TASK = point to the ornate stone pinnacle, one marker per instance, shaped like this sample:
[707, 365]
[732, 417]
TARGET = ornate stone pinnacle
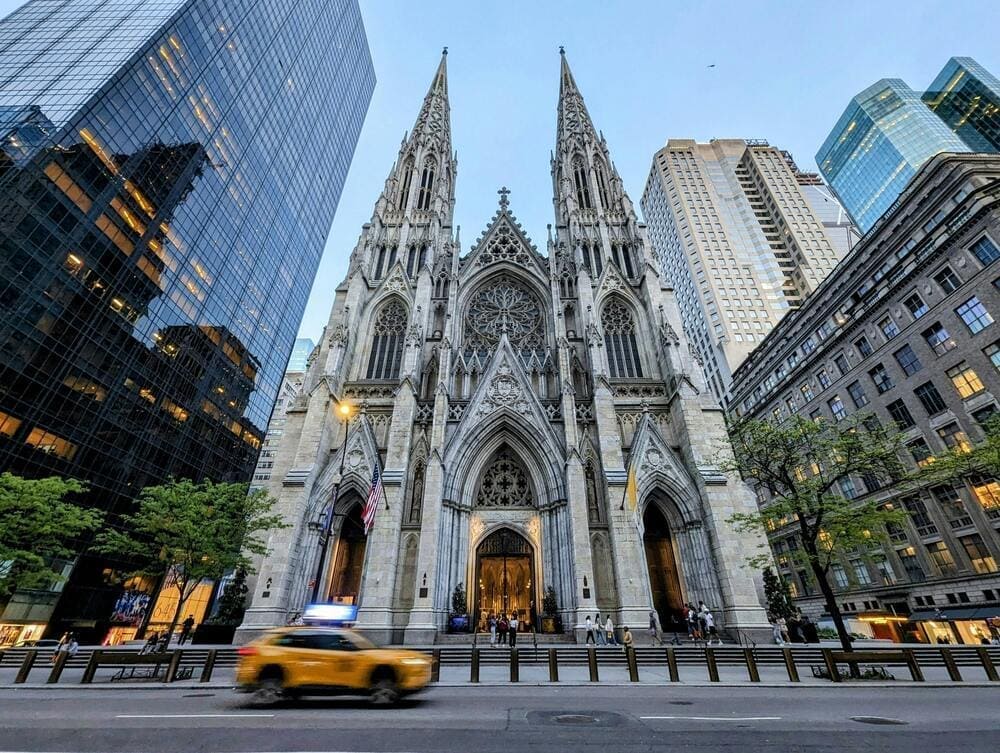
[504, 193]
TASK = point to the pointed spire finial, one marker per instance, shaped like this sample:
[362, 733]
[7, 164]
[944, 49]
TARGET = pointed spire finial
[504, 193]
[562, 50]
[444, 51]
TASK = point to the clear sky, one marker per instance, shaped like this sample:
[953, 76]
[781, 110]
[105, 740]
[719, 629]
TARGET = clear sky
[783, 71]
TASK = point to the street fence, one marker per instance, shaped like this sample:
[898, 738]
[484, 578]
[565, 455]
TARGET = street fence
[472, 664]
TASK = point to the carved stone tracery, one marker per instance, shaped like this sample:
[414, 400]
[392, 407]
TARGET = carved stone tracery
[505, 483]
[504, 307]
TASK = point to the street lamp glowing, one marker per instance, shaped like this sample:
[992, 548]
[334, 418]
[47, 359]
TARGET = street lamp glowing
[345, 410]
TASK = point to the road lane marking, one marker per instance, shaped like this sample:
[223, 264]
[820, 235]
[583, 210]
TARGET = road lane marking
[719, 718]
[192, 716]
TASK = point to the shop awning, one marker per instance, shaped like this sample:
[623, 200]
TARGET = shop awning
[948, 614]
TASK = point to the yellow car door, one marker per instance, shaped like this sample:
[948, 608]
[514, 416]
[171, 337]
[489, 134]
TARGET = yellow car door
[301, 658]
[339, 661]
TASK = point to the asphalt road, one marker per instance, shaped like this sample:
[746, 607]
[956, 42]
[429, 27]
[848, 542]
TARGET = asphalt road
[509, 719]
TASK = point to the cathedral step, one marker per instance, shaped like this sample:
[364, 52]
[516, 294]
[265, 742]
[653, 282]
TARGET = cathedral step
[483, 639]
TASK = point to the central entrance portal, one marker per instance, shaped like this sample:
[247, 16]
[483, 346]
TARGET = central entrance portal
[504, 577]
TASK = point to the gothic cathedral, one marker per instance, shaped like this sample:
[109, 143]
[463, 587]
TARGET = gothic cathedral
[506, 395]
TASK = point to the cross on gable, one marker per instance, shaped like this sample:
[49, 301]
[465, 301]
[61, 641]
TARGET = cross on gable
[504, 193]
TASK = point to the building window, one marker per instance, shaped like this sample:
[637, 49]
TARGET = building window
[857, 393]
[938, 339]
[917, 510]
[907, 360]
[915, 305]
[900, 414]
[885, 572]
[947, 279]
[806, 390]
[837, 408]
[985, 251]
[841, 361]
[619, 341]
[993, 353]
[864, 346]
[950, 502]
[881, 378]
[387, 342]
[921, 452]
[888, 327]
[984, 414]
[861, 573]
[426, 186]
[954, 438]
[823, 378]
[404, 191]
[911, 565]
[975, 315]
[941, 557]
[847, 487]
[987, 493]
[839, 576]
[965, 379]
[581, 183]
[930, 398]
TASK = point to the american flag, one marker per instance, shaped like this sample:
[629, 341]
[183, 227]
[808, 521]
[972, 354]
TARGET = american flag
[375, 495]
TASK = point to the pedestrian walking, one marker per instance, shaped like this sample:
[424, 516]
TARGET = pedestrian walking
[502, 627]
[491, 620]
[711, 633]
[599, 630]
[692, 624]
[513, 629]
[186, 627]
[783, 626]
[609, 628]
[654, 628]
[627, 640]
[776, 631]
[589, 626]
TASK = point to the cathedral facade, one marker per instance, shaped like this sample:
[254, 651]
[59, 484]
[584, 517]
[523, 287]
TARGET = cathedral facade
[505, 394]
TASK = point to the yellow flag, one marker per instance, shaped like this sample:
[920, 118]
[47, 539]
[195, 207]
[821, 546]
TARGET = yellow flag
[632, 489]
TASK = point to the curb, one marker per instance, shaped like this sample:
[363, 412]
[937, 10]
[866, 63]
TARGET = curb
[528, 684]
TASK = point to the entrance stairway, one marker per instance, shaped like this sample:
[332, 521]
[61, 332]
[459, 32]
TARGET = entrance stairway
[523, 639]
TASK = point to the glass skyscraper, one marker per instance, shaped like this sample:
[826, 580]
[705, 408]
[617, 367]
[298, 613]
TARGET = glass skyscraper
[300, 354]
[966, 97]
[169, 170]
[884, 136]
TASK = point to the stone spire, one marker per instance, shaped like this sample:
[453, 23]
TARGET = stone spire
[574, 128]
[433, 125]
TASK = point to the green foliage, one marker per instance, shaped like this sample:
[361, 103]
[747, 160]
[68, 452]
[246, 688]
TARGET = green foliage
[550, 605]
[982, 459]
[799, 463]
[458, 602]
[232, 604]
[779, 600]
[195, 531]
[37, 526]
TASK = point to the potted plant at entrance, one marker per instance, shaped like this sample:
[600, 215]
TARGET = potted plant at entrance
[459, 622]
[550, 610]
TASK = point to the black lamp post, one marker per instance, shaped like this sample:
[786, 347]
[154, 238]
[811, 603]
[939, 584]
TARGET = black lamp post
[326, 525]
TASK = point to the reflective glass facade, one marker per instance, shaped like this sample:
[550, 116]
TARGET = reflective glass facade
[884, 136]
[966, 97]
[168, 175]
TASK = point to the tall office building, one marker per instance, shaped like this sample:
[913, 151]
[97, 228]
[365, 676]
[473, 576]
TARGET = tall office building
[884, 136]
[168, 175]
[300, 354]
[966, 97]
[733, 227]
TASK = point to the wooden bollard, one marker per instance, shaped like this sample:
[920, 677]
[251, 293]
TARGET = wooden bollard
[592, 664]
[950, 665]
[793, 671]
[751, 661]
[553, 665]
[515, 666]
[675, 676]
[633, 666]
[57, 668]
[831, 665]
[911, 662]
[987, 662]
[210, 659]
[26, 665]
[474, 667]
[436, 665]
[713, 665]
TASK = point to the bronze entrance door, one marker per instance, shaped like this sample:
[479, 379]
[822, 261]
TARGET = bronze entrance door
[664, 579]
[504, 577]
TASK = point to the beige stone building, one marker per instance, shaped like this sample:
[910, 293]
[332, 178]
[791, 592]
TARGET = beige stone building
[738, 229]
[505, 392]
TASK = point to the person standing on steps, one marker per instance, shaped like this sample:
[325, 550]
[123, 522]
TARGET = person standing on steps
[627, 640]
[712, 634]
[502, 627]
[589, 625]
[599, 630]
[654, 628]
[491, 622]
[513, 629]
[609, 628]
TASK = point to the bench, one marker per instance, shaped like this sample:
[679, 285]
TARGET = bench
[129, 663]
[874, 660]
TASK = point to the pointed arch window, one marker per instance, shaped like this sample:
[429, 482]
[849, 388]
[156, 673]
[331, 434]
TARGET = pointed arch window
[581, 183]
[411, 260]
[620, 341]
[404, 190]
[379, 263]
[504, 483]
[387, 342]
[602, 185]
[426, 186]
[593, 260]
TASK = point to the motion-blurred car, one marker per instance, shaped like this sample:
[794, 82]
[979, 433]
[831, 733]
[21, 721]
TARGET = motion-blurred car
[296, 661]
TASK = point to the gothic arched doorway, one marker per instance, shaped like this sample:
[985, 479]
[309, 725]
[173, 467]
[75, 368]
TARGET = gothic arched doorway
[348, 559]
[505, 576]
[664, 578]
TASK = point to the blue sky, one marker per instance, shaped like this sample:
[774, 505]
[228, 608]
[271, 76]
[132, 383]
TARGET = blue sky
[784, 72]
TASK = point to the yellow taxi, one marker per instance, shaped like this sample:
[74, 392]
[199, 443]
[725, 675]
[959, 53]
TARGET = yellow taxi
[295, 661]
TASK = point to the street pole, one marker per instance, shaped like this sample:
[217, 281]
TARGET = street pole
[324, 536]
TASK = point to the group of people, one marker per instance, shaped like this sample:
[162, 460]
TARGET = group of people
[601, 633]
[158, 642]
[68, 644]
[797, 629]
[503, 629]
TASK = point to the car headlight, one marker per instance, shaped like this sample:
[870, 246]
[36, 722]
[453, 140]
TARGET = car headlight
[415, 661]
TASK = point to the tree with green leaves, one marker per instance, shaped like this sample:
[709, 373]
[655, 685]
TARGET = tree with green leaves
[183, 533]
[232, 603]
[779, 600]
[800, 464]
[966, 459]
[37, 528]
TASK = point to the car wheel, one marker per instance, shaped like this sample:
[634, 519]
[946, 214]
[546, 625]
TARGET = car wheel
[384, 692]
[268, 692]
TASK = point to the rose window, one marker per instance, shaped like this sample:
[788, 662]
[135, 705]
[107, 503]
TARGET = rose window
[504, 484]
[504, 308]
